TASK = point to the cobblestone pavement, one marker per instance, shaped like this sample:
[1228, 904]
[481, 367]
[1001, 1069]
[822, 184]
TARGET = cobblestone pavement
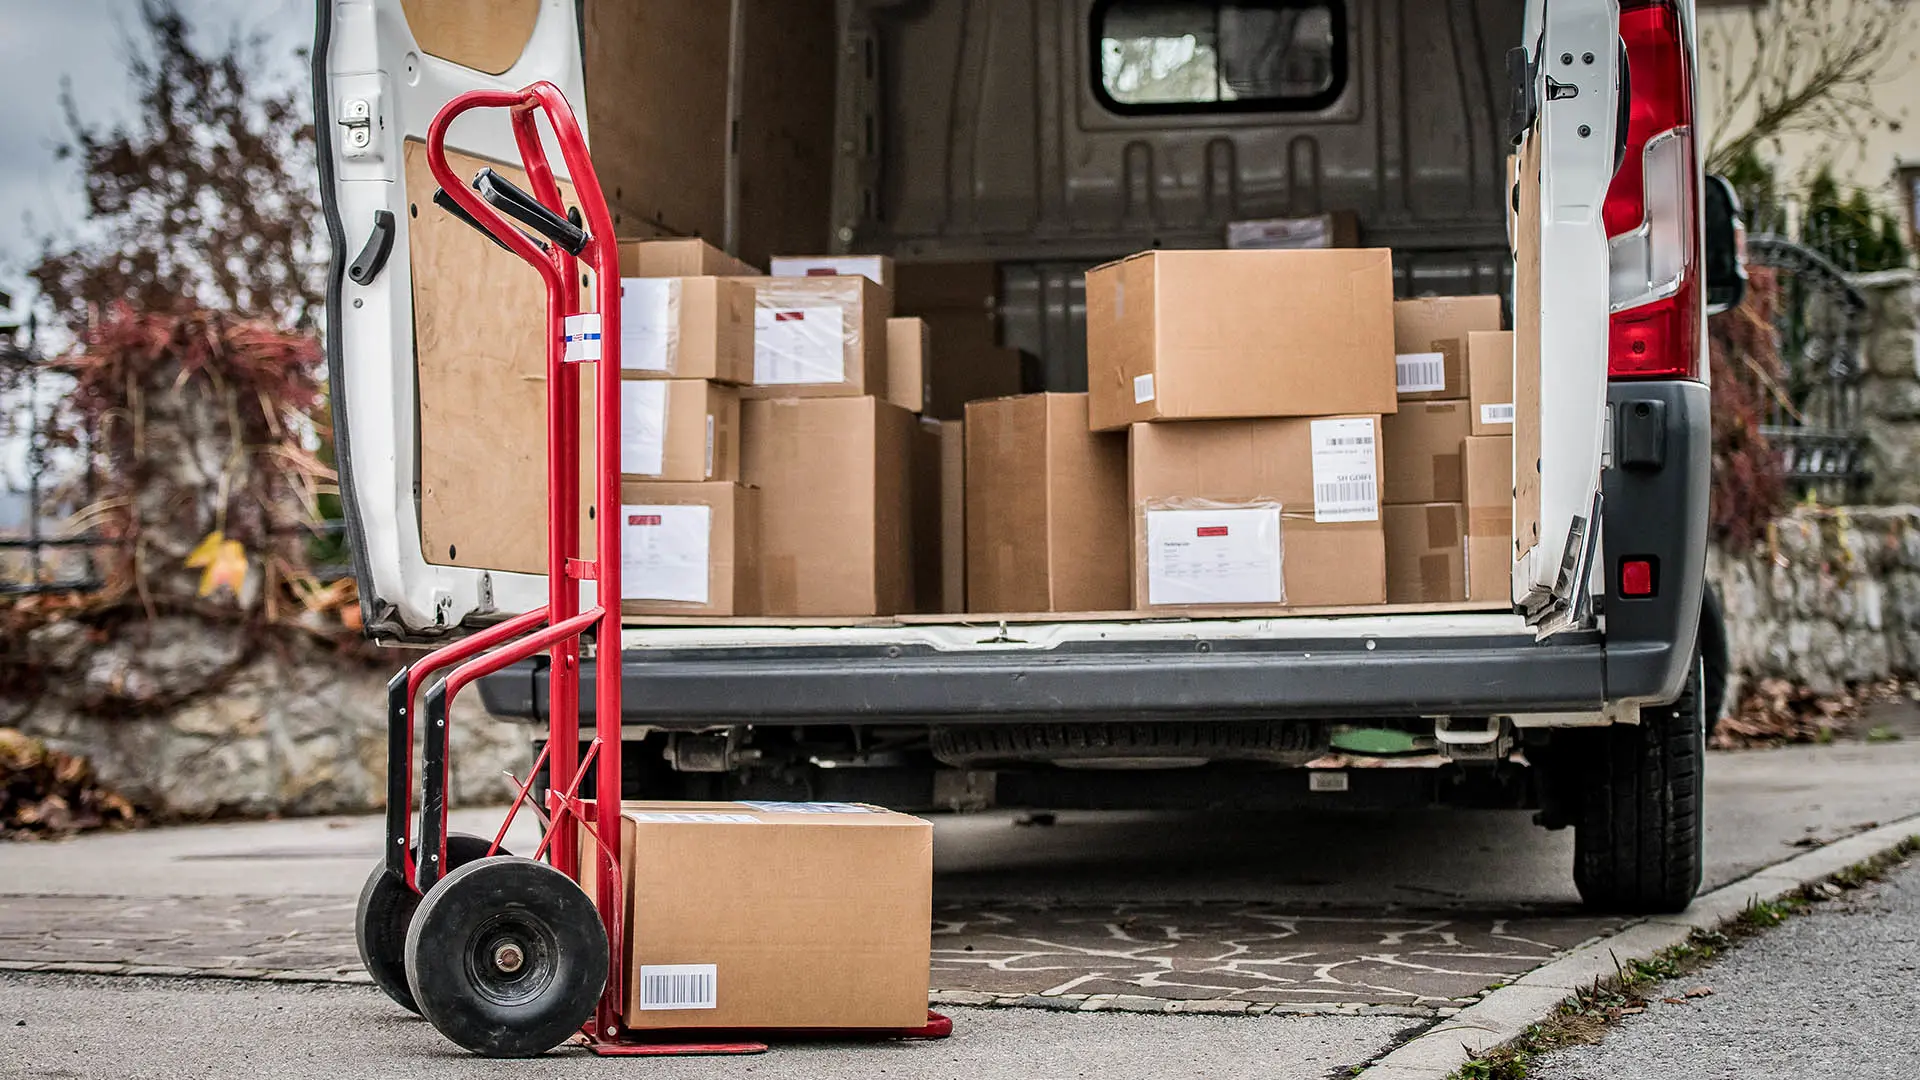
[1238, 955]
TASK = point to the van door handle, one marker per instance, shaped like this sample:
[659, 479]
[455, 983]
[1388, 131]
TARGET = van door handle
[366, 265]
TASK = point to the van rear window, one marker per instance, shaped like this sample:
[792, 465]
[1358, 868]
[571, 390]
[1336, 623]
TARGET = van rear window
[1170, 56]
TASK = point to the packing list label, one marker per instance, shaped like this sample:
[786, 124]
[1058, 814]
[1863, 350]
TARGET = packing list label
[664, 552]
[799, 345]
[649, 326]
[1420, 372]
[1225, 556]
[1345, 484]
[643, 428]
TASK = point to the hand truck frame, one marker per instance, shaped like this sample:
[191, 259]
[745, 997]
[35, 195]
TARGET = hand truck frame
[509, 957]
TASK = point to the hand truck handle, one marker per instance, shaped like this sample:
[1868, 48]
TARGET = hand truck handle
[515, 203]
[446, 202]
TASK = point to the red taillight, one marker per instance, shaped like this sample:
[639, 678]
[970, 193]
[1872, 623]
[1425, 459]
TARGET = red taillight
[1636, 577]
[1651, 206]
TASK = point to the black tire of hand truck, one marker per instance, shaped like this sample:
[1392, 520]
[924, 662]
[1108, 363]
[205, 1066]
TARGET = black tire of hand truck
[499, 1004]
[1638, 841]
[385, 910]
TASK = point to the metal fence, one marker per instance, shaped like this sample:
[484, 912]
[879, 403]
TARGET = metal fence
[1814, 417]
[42, 483]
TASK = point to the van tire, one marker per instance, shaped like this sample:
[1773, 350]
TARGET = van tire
[1638, 844]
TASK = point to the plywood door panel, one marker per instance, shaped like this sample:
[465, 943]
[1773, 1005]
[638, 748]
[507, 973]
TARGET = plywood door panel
[486, 35]
[479, 324]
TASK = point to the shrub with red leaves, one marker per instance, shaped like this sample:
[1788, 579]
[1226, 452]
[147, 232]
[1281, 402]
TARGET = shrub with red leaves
[1749, 487]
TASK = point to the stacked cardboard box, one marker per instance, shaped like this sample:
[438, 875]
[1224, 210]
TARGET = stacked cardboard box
[688, 527]
[1252, 384]
[1447, 365]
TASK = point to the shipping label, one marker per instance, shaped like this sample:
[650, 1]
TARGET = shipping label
[679, 986]
[1225, 556]
[649, 324]
[1345, 471]
[799, 345]
[1142, 388]
[1420, 372]
[690, 817]
[808, 807]
[643, 427]
[582, 334]
[665, 552]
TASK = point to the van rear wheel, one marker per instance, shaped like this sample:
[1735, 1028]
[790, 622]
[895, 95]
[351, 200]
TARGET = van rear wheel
[1638, 841]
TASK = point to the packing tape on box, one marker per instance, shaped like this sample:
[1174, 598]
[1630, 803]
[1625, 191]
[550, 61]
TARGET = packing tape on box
[779, 583]
[1202, 551]
[1489, 520]
[649, 324]
[802, 334]
[1435, 570]
[1441, 523]
[1447, 484]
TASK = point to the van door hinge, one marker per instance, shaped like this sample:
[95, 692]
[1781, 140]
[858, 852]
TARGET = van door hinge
[1521, 106]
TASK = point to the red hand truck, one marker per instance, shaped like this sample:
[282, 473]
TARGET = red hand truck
[506, 956]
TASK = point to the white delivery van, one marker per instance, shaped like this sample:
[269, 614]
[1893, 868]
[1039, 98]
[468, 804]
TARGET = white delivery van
[1544, 150]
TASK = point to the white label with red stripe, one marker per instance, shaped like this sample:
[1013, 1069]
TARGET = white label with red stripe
[1224, 556]
[794, 345]
[665, 552]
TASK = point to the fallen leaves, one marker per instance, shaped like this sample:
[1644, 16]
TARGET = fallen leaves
[46, 792]
[1776, 711]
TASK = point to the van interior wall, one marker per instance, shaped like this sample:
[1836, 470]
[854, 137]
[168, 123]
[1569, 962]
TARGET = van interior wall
[713, 122]
[990, 142]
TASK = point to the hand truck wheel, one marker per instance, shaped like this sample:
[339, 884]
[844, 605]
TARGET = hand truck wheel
[386, 908]
[506, 957]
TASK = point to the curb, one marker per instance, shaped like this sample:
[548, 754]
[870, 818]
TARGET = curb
[1504, 1014]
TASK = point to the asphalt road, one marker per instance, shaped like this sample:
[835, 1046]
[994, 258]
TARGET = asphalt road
[1410, 892]
[1829, 995]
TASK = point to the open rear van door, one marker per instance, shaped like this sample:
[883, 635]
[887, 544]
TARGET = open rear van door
[1567, 115]
[426, 319]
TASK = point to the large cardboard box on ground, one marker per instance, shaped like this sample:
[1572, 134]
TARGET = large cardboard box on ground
[1430, 343]
[1426, 553]
[687, 549]
[1421, 444]
[1046, 508]
[819, 337]
[1256, 512]
[1490, 382]
[836, 515]
[684, 430]
[688, 257]
[1187, 335]
[687, 328]
[758, 915]
[1487, 477]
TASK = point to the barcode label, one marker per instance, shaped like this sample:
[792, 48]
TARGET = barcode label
[1345, 470]
[1497, 414]
[1142, 389]
[808, 807]
[679, 986]
[1420, 373]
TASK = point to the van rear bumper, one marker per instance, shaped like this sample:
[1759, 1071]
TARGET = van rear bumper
[1184, 680]
[1655, 508]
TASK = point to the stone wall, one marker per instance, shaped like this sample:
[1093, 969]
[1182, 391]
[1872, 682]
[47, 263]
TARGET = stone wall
[1831, 597]
[192, 719]
[1890, 386]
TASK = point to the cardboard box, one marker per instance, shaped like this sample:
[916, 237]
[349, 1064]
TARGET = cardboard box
[836, 524]
[686, 549]
[908, 355]
[1490, 382]
[1421, 444]
[1254, 512]
[687, 328]
[679, 258]
[876, 268]
[928, 537]
[1426, 553]
[1046, 508]
[1340, 229]
[953, 515]
[685, 430]
[1486, 467]
[1430, 343]
[819, 337]
[1187, 335]
[760, 915]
